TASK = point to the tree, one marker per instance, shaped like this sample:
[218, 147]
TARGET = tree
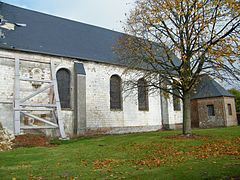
[176, 41]
[236, 93]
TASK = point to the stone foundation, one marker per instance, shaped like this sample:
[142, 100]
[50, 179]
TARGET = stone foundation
[121, 130]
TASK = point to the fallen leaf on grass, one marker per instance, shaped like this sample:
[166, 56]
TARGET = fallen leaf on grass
[100, 164]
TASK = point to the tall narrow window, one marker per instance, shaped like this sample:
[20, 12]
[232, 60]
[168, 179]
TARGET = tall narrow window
[115, 93]
[229, 109]
[142, 95]
[63, 79]
[176, 101]
[211, 111]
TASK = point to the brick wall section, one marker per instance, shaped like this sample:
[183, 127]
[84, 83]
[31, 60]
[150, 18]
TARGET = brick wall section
[194, 114]
[199, 112]
[231, 120]
[211, 121]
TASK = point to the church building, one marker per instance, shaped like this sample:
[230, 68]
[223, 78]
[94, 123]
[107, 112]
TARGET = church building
[62, 74]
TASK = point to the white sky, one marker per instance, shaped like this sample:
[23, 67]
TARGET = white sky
[103, 13]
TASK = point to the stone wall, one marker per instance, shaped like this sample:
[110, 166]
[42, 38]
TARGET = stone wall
[97, 84]
[98, 101]
[29, 64]
[194, 114]
[175, 117]
[231, 120]
[199, 112]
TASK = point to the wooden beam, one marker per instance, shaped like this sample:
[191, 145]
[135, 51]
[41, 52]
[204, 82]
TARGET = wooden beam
[38, 109]
[17, 98]
[39, 105]
[36, 93]
[40, 119]
[35, 80]
[38, 127]
[56, 95]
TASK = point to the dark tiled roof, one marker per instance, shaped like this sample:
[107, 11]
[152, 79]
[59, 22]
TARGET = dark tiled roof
[208, 87]
[57, 36]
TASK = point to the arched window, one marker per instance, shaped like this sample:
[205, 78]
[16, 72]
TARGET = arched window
[115, 93]
[142, 95]
[176, 100]
[63, 79]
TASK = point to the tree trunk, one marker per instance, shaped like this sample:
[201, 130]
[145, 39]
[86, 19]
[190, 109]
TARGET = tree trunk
[186, 113]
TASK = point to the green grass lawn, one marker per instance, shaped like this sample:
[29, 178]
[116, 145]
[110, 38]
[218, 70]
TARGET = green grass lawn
[212, 154]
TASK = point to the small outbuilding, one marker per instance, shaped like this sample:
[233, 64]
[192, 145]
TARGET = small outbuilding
[212, 105]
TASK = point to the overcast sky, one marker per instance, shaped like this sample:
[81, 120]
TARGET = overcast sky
[103, 13]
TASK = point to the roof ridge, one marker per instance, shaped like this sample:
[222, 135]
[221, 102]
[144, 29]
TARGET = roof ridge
[59, 17]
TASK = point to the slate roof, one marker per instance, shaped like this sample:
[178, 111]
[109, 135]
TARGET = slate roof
[53, 35]
[208, 87]
[48, 34]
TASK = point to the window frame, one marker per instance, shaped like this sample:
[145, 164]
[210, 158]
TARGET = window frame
[211, 110]
[120, 106]
[70, 93]
[176, 101]
[145, 105]
[229, 107]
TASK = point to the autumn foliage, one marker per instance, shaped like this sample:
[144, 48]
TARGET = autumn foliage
[176, 41]
[207, 154]
[168, 154]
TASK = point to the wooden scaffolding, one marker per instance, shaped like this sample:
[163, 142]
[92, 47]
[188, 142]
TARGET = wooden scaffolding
[21, 108]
